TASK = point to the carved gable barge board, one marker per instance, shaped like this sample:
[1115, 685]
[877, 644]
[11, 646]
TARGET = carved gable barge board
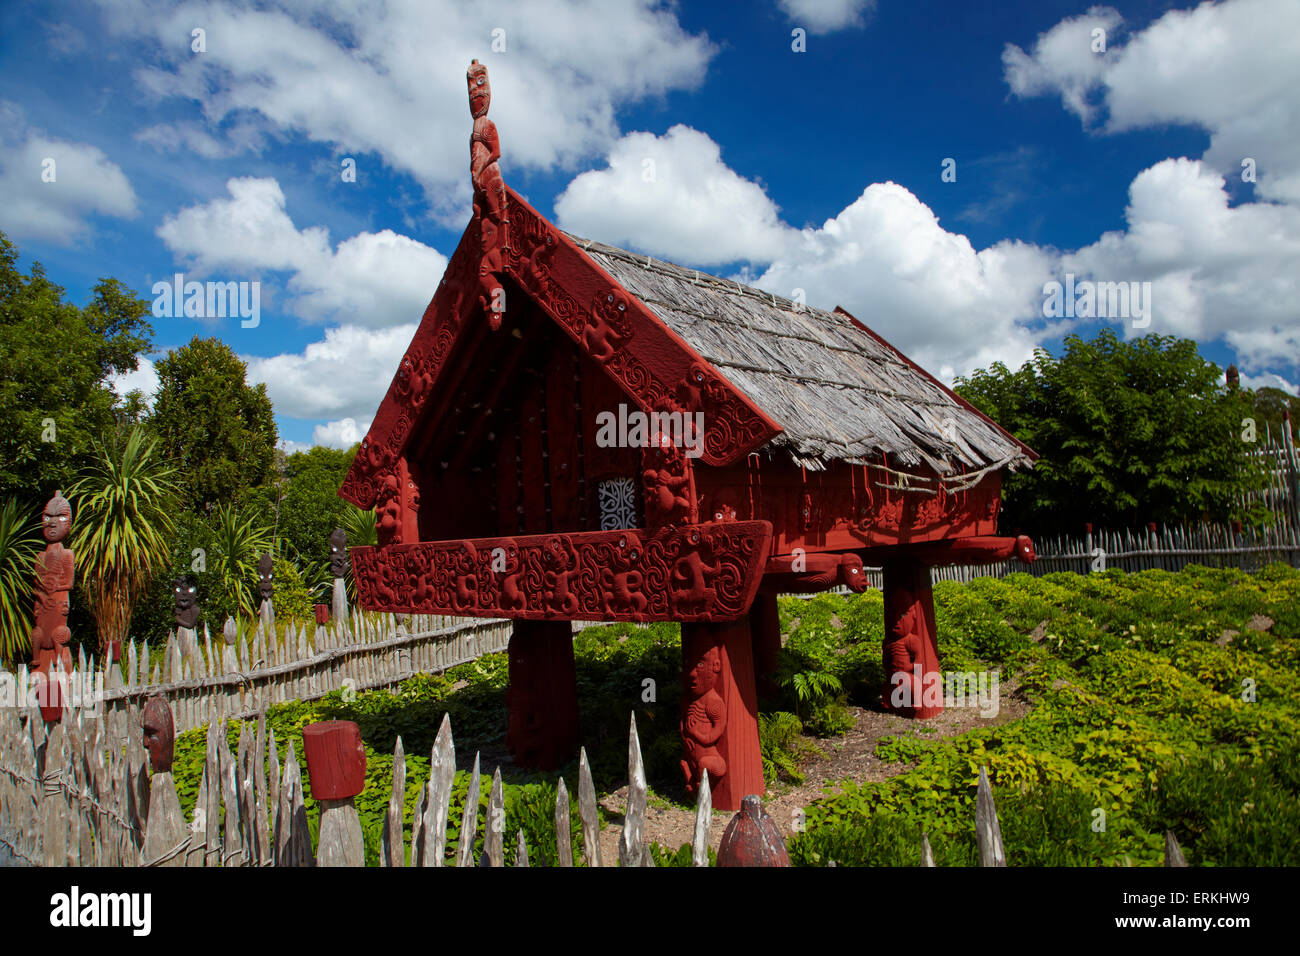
[690, 573]
[652, 364]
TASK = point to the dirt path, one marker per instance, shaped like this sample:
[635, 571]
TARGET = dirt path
[850, 757]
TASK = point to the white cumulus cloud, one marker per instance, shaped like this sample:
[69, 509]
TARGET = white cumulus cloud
[389, 79]
[372, 279]
[673, 196]
[826, 16]
[343, 433]
[82, 181]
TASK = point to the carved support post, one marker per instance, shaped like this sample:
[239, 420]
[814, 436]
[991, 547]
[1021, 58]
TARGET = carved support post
[719, 722]
[543, 695]
[913, 683]
[165, 832]
[336, 764]
[765, 625]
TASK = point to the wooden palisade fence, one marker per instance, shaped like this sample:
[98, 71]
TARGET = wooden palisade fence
[70, 797]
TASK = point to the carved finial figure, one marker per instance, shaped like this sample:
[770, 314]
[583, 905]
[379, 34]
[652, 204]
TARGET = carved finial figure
[489, 190]
[265, 577]
[704, 720]
[338, 553]
[1233, 378]
[159, 733]
[185, 598]
[55, 568]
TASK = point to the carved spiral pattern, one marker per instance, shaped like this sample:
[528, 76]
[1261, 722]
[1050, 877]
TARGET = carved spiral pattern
[682, 574]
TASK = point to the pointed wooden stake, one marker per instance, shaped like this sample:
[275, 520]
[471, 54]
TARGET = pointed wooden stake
[587, 811]
[988, 834]
[1173, 852]
[469, 819]
[563, 839]
[392, 851]
[703, 817]
[632, 849]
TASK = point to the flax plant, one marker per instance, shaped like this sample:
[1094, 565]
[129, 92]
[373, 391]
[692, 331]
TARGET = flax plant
[20, 541]
[122, 524]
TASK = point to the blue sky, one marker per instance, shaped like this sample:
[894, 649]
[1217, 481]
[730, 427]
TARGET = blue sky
[694, 132]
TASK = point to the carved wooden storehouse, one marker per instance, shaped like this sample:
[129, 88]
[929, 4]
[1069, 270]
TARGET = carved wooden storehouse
[517, 471]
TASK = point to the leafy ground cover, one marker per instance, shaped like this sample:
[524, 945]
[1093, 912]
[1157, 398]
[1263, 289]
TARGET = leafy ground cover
[1154, 701]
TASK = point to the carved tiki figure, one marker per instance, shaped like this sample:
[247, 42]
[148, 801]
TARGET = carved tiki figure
[704, 720]
[489, 191]
[159, 733]
[903, 649]
[55, 568]
[338, 553]
[265, 578]
[185, 597]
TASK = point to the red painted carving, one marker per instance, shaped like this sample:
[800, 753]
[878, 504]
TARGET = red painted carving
[694, 573]
[55, 569]
[704, 720]
[719, 723]
[668, 486]
[806, 573]
[489, 193]
[752, 838]
[913, 683]
[336, 759]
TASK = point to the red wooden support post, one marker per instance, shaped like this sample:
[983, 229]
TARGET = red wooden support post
[322, 613]
[720, 712]
[914, 685]
[542, 698]
[765, 626]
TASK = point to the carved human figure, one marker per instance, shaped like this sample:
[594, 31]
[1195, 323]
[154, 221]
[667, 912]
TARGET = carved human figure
[489, 190]
[903, 650]
[185, 606]
[704, 720]
[338, 553]
[55, 570]
[159, 733]
[667, 482]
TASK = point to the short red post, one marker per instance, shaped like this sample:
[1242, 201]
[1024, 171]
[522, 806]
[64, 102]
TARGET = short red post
[752, 838]
[336, 766]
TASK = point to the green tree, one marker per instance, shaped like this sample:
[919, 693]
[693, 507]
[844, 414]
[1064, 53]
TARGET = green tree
[55, 362]
[1128, 432]
[123, 510]
[219, 428]
[237, 541]
[310, 506]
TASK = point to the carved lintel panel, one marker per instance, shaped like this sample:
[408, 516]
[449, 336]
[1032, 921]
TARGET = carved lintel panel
[690, 573]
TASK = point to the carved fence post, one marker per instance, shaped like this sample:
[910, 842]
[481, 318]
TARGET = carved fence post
[166, 838]
[988, 834]
[336, 764]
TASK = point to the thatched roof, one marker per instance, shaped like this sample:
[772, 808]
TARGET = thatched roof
[838, 391]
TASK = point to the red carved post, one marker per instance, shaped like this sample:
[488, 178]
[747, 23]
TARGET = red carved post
[336, 764]
[914, 685]
[765, 626]
[55, 568]
[542, 698]
[719, 723]
[752, 838]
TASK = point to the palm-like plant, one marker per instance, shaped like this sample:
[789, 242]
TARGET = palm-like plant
[20, 541]
[238, 542]
[360, 526]
[122, 524]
